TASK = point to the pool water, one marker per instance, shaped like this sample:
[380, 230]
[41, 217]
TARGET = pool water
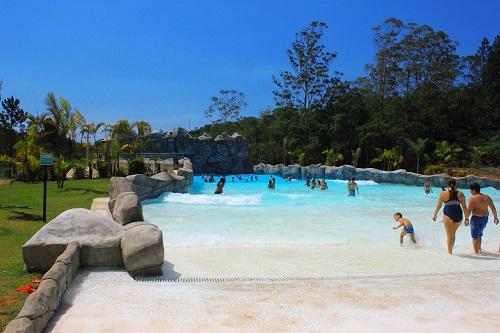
[293, 214]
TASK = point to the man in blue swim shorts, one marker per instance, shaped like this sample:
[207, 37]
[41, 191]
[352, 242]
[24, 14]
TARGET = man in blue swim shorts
[478, 207]
[407, 228]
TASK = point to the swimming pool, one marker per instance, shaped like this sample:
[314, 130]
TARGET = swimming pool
[249, 213]
[295, 260]
[293, 230]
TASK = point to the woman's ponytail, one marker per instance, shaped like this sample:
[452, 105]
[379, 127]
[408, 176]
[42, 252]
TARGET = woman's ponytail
[452, 184]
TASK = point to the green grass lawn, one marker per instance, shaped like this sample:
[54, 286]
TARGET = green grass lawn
[21, 217]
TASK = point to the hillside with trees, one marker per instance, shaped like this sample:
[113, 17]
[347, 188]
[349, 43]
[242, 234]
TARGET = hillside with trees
[420, 106]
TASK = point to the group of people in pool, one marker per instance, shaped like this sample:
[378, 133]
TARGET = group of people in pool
[211, 178]
[454, 212]
[314, 183]
[476, 212]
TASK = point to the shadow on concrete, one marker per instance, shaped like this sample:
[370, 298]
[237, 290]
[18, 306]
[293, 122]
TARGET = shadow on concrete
[168, 271]
[484, 256]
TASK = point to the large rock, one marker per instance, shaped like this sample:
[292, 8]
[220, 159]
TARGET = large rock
[151, 187]
[98, 236]
[142, 249]
[127, 208]
[224, 154]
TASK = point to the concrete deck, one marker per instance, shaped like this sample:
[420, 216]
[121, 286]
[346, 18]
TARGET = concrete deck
[101, 205]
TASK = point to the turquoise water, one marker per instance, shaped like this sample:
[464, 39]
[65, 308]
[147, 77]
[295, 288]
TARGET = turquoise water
[249, 213]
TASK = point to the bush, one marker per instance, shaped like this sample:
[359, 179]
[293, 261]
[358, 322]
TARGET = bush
[136, 166]
[432, 169]
[79, 171]
[103, 169]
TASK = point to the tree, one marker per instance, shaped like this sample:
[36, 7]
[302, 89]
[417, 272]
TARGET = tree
[143, 130]
[61, 168]
[356, 155]
[310, 79]
[226, 107]
[476, 154]
[12, 119]
[445, 152]
[89, 130]
[332, 157]
[65, 121]
[418, 147]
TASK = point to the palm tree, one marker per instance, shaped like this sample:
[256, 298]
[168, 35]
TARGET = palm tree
[66, 120]
[332, 157]
[356, 155]
[445, 152]
[418, 147]
[143, 130]
[89, 130]
[388, 159]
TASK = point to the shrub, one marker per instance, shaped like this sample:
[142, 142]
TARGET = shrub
[136, 166]
[103, 169]
[432, 169]
[79, 171]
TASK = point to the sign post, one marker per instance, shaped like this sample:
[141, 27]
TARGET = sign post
[45, 161]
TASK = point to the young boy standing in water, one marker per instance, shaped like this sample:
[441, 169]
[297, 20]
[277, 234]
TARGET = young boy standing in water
[407, 228]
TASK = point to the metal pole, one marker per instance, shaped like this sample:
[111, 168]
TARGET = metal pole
[44, 219]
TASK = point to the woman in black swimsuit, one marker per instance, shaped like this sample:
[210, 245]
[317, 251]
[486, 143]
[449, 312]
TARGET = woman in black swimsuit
[454, 202]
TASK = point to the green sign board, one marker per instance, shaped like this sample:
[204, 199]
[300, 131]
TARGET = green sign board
[46, 159]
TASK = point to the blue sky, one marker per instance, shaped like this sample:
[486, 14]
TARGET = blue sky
[161, 61]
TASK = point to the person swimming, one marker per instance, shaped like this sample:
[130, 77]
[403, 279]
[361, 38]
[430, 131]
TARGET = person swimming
[407, 228]
[220, 187]
[308, 181]
[427, 188]
[454, 208]
[352, 187]
[271, 184]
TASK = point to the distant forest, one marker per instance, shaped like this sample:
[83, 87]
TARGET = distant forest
[420, 106]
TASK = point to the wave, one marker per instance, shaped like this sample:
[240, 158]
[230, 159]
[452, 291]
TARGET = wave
[211, 199]
[360, 182]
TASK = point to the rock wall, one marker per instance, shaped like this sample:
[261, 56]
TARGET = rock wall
[151, 187]
[345, 172]
[40, 306]
[224, 154]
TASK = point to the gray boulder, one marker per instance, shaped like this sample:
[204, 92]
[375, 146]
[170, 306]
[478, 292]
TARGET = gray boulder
[127, 208]
[99, 238]
[142, 249]
[151, 187]
[21, 325]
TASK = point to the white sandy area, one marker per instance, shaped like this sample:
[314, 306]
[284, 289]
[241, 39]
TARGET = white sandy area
[343, 260]
[368, 289]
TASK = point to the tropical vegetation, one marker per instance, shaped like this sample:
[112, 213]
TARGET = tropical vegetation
[420, 106]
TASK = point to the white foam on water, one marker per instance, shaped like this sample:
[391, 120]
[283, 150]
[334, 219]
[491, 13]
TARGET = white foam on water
[359, 182]
[209, 199]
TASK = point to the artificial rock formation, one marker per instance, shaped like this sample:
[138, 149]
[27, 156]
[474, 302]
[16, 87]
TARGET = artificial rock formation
[346, 172]
[41, 305]
[151, 187]
[97, 235]
[224, 154]
[127, 208]
[142, 249]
